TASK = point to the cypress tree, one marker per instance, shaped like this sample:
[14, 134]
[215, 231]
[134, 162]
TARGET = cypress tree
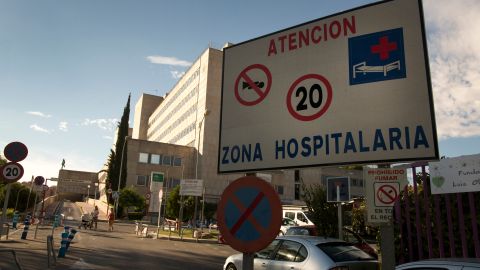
[115, 158]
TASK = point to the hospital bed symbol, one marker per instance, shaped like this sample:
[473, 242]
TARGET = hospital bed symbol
[377, 57]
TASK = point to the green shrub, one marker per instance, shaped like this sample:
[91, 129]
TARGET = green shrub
[135, 215]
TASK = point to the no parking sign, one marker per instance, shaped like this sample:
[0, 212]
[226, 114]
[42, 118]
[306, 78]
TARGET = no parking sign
[249, 214]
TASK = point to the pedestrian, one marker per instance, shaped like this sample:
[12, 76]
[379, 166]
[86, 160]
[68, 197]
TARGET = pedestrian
[111, 220]
[95, 216]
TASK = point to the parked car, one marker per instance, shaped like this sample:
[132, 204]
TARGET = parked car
[286, 223]
[307, 252]
[348, 235]
[442, 264]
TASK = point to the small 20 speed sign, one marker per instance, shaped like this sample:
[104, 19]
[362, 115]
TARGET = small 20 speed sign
[12, 172]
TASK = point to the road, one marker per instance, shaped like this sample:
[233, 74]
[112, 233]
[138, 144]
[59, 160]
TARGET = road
[120, 249]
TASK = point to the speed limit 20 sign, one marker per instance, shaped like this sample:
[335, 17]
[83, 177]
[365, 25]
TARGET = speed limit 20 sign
[11, 172]
[330, 91]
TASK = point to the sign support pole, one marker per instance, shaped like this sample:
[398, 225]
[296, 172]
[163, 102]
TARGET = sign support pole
[340, 221]
[247, 263]
[4, 211]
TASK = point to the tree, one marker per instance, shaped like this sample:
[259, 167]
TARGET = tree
[321, 212]
[115, 158]
[173, 205]
[20, 190]
[129, 197]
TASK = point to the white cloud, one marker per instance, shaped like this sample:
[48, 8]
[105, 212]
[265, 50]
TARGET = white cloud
[177, 74]
[108, 137]
[169, 61]
[39, 114]
[454, 49]
[63, 126]
[106, 124]
[39, 129]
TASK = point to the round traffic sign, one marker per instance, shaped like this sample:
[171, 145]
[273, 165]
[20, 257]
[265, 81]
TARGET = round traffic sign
[147, 196]
[12, 172]
[15, 151]
[387, 194]
[39, 180]
[309, 97]
[249, 214]
[109, 191]
[253, 84]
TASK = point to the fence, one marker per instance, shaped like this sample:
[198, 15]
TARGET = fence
[435, 226]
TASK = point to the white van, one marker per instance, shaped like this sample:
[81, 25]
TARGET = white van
[296, 214]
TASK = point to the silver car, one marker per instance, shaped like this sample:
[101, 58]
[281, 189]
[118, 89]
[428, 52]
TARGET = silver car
[307, 253]
[442, 264]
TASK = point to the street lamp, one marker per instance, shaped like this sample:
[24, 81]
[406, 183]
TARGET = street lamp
[196, 162]
[121, 169]
[96, 186]
[88, 192]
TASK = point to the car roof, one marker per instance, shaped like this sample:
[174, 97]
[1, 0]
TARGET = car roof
[443, 261]
[314, 240]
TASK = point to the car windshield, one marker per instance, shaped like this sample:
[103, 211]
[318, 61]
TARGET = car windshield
[297, 231]
[343, 252]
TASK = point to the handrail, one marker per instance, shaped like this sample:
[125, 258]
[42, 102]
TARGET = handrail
[19, 267]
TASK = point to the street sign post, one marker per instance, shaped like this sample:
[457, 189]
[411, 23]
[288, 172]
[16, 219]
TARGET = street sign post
[156, 185]
[249, 214]
[191, 187]
[311, 95]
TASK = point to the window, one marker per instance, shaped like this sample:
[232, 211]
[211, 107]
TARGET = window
[177, 161]
[266, 253]
[279, 190]
[143, 158]
[354, 182]
[142, 180]
[167, 160]
[343, 252]
[297, 191]
[288, 251]
[301, 217]
[290, 215]
[155, 159]
[302, 254]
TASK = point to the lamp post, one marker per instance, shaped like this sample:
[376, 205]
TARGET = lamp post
[96, 186]
[121, 169]
[18, 196]
[196, 162]
[88, 192]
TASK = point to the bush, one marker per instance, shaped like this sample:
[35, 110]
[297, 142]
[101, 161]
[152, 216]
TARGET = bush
[135, 215]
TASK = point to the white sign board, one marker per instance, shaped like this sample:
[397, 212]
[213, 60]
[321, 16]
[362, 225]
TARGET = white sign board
[382, 189]
[350, 88]
[455, 175]
[191, 187]
[156, 185]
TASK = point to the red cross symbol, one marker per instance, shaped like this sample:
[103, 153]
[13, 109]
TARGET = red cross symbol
[383, 48]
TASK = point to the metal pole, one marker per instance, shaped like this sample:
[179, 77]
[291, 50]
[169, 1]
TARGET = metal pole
[340, 230]
[5, 203]
[29, 193]
[248, 261]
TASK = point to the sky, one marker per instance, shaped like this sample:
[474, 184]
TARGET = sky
[67, 67]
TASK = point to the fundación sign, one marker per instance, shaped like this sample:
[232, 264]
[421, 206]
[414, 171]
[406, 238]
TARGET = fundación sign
[455, 175]
[350, 88]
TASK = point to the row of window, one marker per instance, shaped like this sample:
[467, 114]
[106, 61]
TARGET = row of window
[143, 180]
[177, 94]
[175, 124]
[159, 159]
[183, 133]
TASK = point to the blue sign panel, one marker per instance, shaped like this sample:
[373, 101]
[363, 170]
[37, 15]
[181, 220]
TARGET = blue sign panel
[377, 57]
[343, 183]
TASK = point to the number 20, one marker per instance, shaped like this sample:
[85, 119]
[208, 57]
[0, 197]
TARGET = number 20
[302, 91]
[12, 171]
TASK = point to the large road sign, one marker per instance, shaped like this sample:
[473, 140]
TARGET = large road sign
[191, 187]
[350, 88]
[15, 151]
[382, 189]
[249, 214]
[11, 172]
